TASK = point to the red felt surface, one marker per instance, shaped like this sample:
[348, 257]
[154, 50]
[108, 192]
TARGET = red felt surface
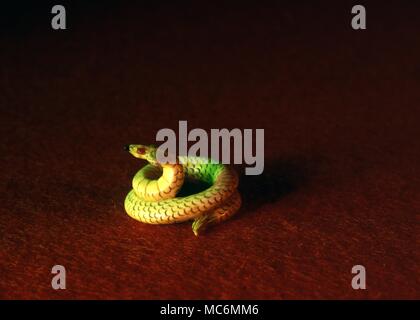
[341, 184]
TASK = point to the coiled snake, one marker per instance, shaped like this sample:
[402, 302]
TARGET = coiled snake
[155, 186]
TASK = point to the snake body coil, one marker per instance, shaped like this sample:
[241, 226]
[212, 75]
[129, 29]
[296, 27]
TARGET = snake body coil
[155, 186]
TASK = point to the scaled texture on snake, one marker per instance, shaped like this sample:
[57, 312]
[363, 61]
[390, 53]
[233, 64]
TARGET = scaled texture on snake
[154, 200]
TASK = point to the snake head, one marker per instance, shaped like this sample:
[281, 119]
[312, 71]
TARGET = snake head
[142, 152]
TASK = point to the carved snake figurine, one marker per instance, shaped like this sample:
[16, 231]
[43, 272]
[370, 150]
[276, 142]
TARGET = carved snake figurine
[155, 186]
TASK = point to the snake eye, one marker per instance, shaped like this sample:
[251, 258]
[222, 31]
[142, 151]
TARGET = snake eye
[141, 150]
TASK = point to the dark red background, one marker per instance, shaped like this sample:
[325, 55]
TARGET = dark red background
[340, 109]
